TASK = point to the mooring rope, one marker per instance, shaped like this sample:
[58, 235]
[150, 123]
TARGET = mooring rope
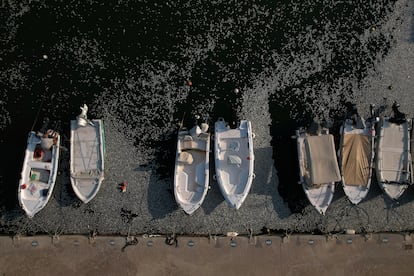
[38, 110]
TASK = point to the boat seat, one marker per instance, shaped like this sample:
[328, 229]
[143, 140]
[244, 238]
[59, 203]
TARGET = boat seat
[194, 145]
[94, 173]
[185, 157]
[40, 165]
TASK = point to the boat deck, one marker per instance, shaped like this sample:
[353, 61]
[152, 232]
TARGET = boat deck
[86, 159]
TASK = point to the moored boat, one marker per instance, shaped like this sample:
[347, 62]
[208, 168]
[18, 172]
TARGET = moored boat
[318, 166]
[38, 176]
[412, 150]
[356, 154]
[191, 176]
[87, 152]
[393, 156]
[234, 160]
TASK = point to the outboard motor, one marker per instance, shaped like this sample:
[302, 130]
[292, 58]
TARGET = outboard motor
[398, 117]
[352, 113]
[82, 118]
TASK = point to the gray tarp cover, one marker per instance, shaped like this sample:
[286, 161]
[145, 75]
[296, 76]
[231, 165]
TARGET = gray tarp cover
[321, 159]
[356, 153]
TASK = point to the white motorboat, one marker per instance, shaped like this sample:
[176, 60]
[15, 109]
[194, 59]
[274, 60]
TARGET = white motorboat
[318, 166]
[234, 160]
[191, 176]
[87, 152]
[393, 156]
[38, 176]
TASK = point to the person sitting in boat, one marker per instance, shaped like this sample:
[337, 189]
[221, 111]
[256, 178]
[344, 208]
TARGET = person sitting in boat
[398, 117]
[48, 139]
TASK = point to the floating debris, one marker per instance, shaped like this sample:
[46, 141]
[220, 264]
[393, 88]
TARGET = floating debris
[123, 186]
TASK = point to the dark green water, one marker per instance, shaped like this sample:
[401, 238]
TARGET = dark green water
[131, 60]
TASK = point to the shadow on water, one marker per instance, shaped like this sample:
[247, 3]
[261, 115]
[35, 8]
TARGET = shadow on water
[265, 182]
[211, 95]
[214, 197]
[285, 156]
[63, 191]
[160, 197]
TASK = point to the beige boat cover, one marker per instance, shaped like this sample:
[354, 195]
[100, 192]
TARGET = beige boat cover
[322, 164]
[356, 154]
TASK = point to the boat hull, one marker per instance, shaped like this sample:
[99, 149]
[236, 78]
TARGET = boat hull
[191, 175]
[38, 176]
[356, 157]
[234, 161]
[320, 195]
[87, 158]
[393, 161]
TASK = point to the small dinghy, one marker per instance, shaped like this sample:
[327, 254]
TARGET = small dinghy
[234, 160]
[318, 165]
[393, 162]
[39, 171]
[87, 150]
[191, 177]
[356, 154]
